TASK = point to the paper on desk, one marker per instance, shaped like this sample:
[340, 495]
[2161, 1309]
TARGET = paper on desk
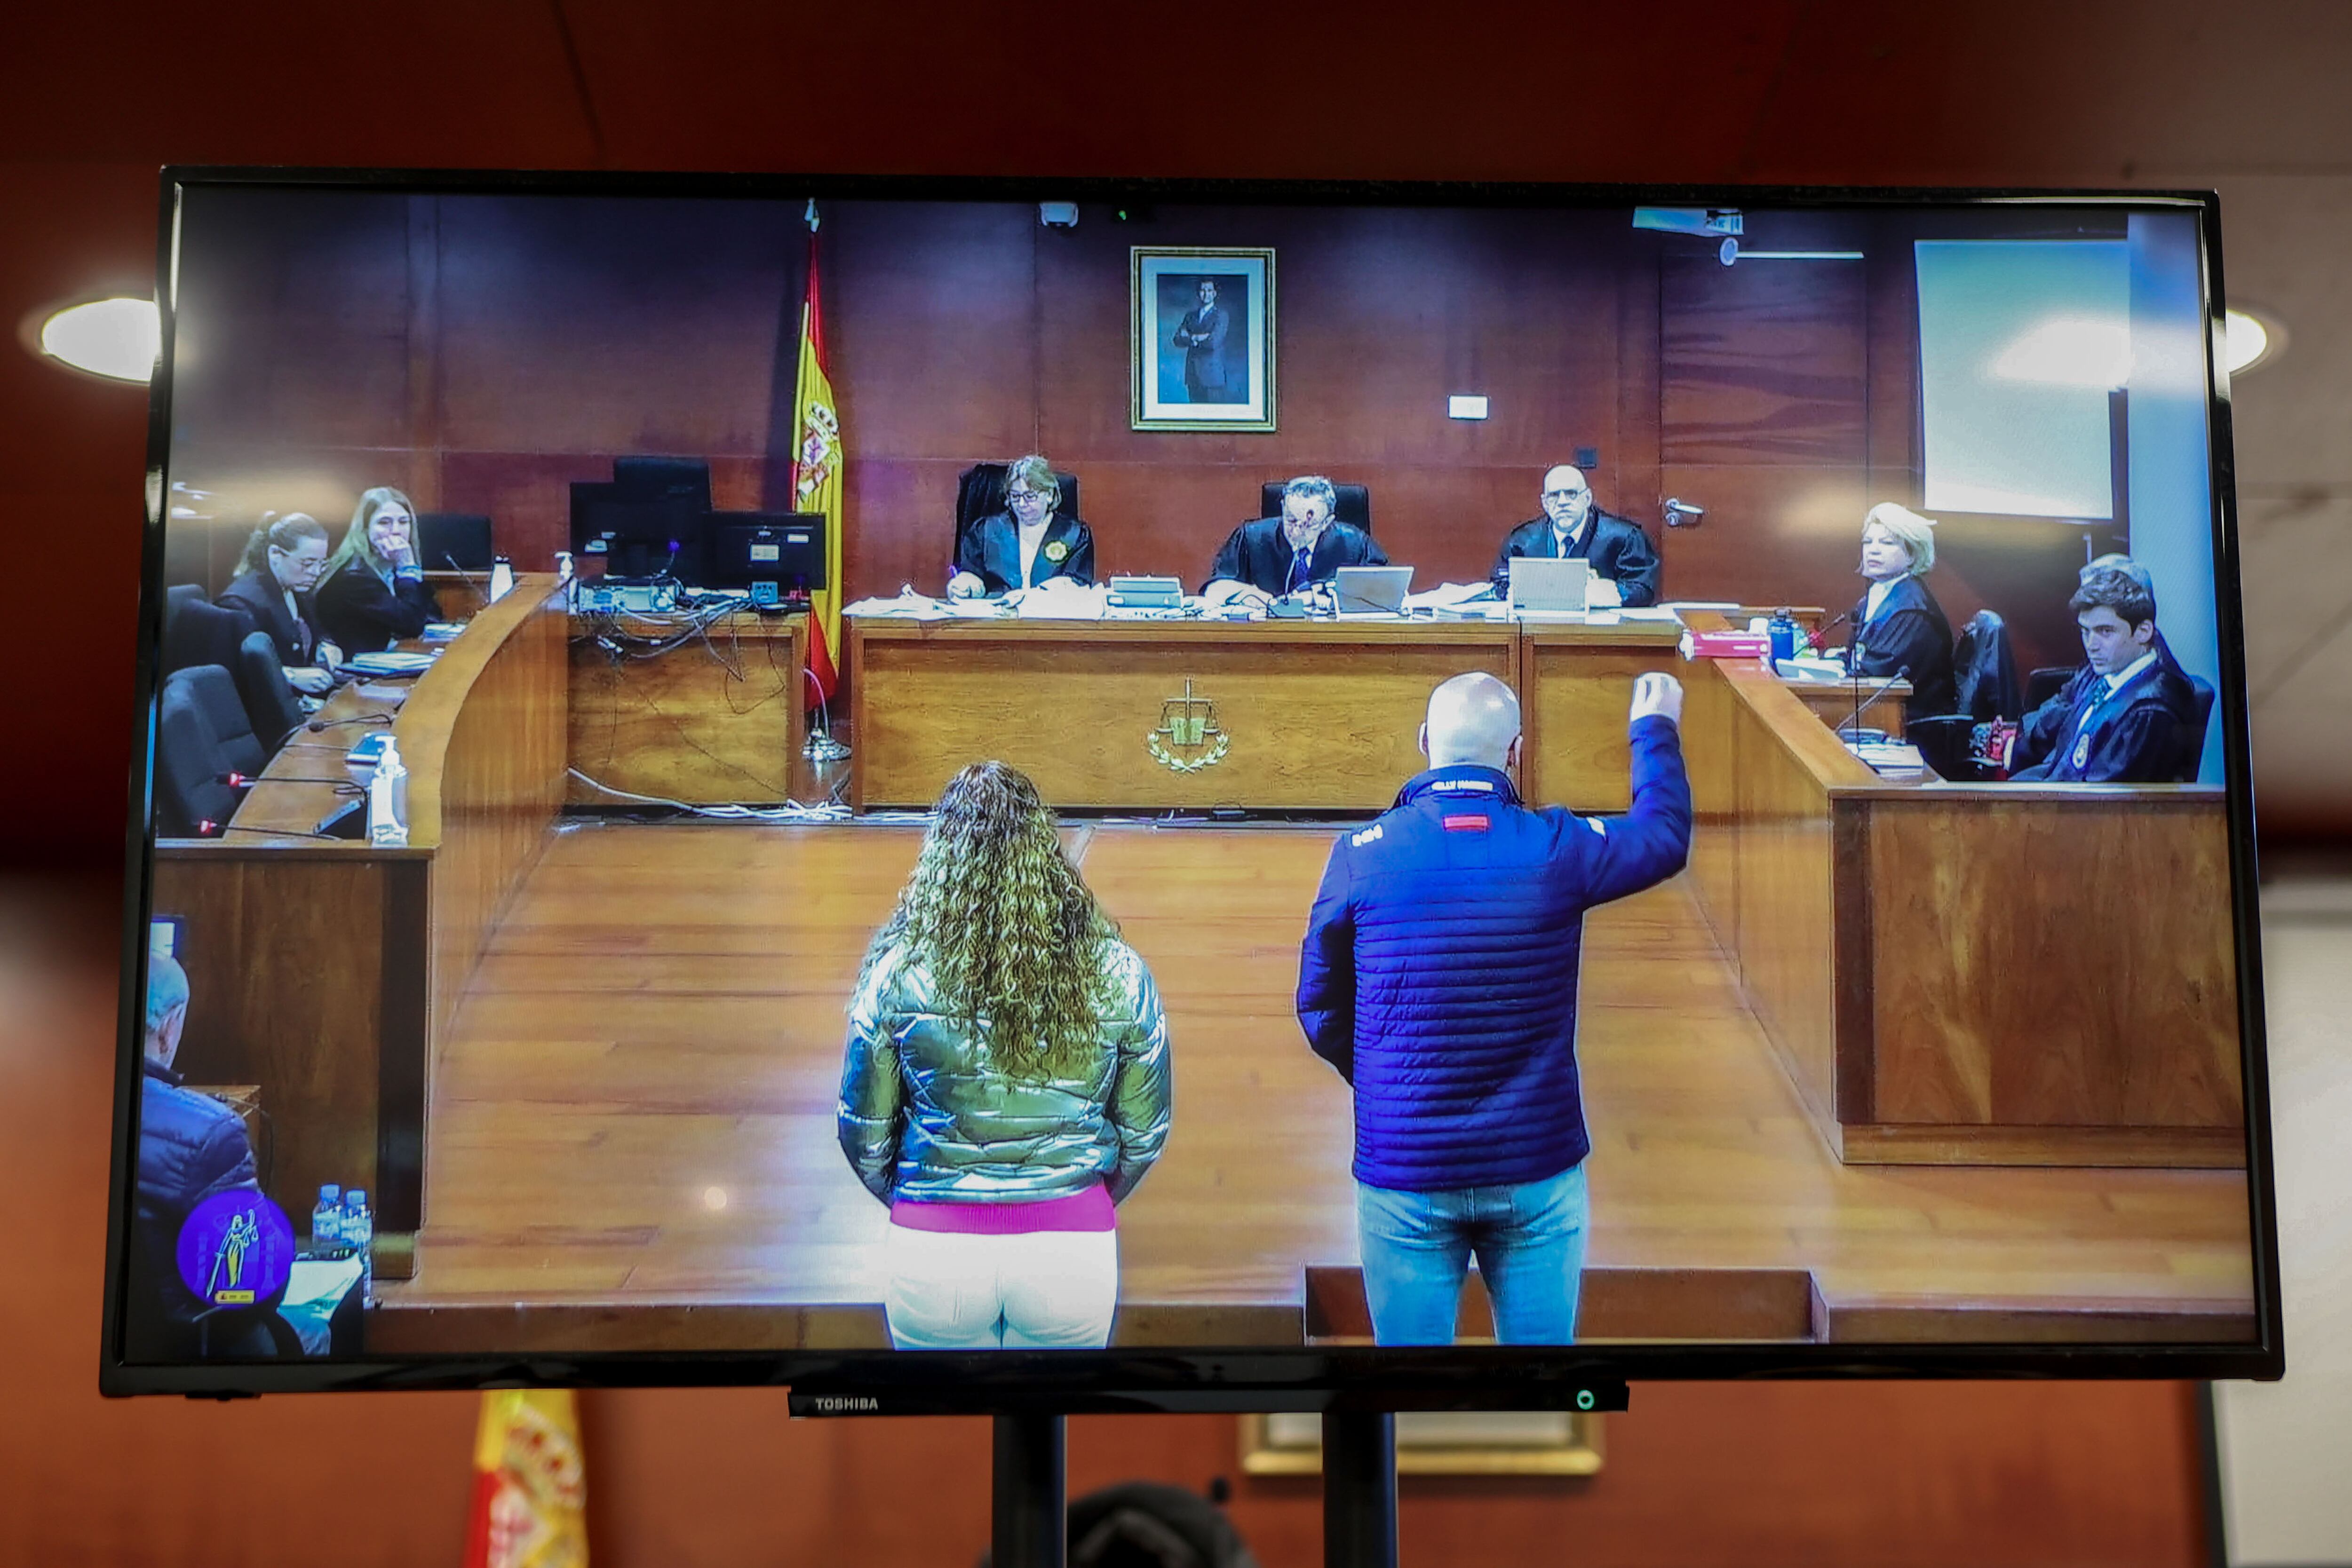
[910, 605]
[1664, 614]
[1059, 598]
[1447, 595]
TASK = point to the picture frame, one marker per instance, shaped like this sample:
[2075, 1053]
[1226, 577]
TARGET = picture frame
[1201, 337]
[1438, 1443]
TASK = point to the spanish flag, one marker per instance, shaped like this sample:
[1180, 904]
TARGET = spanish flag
[529, 1486]
[816, 474]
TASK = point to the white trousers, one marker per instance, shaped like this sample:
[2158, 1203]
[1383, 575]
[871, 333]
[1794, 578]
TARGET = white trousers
[1043, 1290]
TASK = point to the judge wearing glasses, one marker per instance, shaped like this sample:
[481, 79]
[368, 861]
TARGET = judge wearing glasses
[1031, 541]
[1572, 528]
[1275, 556]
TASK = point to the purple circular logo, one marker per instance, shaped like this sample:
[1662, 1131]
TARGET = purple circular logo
[236, 1247]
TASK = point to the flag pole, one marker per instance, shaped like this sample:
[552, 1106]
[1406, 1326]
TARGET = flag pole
[818, 442]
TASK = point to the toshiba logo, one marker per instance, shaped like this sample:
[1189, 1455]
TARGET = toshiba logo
[841, 1403]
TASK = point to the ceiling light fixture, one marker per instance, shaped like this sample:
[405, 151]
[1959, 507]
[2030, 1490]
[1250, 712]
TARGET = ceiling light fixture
[2254, 337]
[118, 339]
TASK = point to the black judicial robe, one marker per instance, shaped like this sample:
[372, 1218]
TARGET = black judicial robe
[1911, 638]
[1617, 547]
[990, 550]
[259, 595]
[2140, 734]
[359, 614]
[2037, 732]
[1259, 554]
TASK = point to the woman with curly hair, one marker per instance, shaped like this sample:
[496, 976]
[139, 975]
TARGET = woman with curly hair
[1006, 1081]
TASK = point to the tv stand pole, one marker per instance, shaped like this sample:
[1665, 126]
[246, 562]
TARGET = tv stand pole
[1030, 1524]
[1360, 1499]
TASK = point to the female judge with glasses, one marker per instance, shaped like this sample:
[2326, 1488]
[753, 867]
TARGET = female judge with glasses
[1032, 540]
[1006, 1083]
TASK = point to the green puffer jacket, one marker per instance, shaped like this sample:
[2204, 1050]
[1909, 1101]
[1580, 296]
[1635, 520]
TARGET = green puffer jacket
[925, 1116]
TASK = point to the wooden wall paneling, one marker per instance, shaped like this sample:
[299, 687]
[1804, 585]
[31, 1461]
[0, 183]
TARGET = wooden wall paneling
[717, 720]
[427, 355]
[2010, 991]
[1764, 362]
[1774, 533]
[1582, 689]
[285, 953]
[1788, 880]
[1710, 752]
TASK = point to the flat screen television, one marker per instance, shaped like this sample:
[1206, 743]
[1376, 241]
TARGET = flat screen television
[1880, 997]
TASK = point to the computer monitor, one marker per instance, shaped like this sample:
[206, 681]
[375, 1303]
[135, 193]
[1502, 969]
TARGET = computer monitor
[781, 552]
[1371, 589]
[682, 479]
[632, 538]
[1896, 1076]
[454, 541]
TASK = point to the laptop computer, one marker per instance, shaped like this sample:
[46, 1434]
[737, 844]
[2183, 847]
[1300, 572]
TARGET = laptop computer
[1371, 589]
[1543, 585]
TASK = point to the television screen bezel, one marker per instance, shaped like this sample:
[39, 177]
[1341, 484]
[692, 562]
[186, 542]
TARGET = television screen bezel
[1205, 1378]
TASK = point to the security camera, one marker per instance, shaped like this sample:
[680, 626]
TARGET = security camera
[1058, 215]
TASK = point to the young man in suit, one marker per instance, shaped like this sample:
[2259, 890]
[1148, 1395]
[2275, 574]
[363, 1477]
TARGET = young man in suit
[2132, 719]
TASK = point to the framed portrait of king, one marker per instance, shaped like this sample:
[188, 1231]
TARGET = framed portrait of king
[1201, 339]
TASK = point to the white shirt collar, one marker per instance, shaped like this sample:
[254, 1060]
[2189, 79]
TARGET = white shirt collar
[1569, 536]
[1877, 597]
[2130, 672]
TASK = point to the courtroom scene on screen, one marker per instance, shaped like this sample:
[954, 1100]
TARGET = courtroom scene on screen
[938, 775]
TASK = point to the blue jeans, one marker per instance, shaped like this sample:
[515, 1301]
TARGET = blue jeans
[1529, 1240]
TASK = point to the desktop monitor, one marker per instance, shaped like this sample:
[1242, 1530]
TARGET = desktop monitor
[455, 541]
[636, 538]
[663, 1054]
[784, 551]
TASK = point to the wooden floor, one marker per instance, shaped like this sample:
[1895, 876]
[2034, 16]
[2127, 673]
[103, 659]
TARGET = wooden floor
[632, 1136]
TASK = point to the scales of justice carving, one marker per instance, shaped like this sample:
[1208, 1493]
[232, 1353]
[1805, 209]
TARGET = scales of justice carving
[1188, 739]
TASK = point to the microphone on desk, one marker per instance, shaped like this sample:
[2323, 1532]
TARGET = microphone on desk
[481, 594]
[316, 725]
[247, 780]
[1813, 641]
[1852, 729]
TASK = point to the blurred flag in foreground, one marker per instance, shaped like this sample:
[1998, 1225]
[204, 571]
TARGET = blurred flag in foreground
[530, 1489]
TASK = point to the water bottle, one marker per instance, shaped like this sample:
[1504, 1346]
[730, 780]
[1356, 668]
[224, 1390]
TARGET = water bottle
[502, 578]
[388, 800]
[327, 1222]
[1783, 632]
[359, 1235]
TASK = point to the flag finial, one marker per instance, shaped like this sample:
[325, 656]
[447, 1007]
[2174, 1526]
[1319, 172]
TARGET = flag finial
[809, 216]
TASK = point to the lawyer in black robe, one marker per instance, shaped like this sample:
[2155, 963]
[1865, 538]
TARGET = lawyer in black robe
[361, 612]
[2089, 734]
[1908, 637]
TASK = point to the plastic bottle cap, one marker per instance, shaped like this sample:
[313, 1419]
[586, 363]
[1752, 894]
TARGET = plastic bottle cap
[329, 1190]
[356, 1198]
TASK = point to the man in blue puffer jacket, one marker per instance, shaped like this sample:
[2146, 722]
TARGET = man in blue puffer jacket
[1439, 977]
[190, 1147]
